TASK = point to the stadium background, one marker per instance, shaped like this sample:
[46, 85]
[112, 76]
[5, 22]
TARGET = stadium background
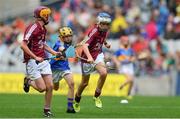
[153, 27]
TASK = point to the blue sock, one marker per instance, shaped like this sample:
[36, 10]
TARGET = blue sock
[70, 103]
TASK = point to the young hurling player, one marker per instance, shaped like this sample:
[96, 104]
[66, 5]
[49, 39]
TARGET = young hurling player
[34, 46]
[60, 68]
[92, 51]
[124, 58]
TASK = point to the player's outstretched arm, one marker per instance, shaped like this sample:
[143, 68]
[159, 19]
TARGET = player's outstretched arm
[50, 50]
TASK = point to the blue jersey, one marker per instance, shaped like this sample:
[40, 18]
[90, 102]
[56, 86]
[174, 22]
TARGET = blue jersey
[123, 53]
[59, 64]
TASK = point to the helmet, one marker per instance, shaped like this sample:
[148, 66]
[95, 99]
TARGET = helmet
[43, 13]
[65, 31]
[103, 17]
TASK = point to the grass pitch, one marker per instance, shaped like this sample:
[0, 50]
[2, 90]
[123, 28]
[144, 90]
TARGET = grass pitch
[30, 106]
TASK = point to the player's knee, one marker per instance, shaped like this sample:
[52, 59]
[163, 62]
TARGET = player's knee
[41, 89]
[103, 74]
[130, 78]
[71, 85]
[49, 87]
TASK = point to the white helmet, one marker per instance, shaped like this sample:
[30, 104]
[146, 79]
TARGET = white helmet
[103, 18]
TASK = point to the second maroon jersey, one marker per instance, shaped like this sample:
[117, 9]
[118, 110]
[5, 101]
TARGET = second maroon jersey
[95, 39]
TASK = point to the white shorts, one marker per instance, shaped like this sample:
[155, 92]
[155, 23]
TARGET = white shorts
[34, 70]
[58, 75]
[127, 69]
[88, 68]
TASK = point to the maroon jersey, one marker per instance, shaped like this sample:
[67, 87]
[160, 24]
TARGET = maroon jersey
[35, 37]
[95, 39]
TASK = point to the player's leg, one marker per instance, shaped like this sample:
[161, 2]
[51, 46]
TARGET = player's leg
[56, 86]
[128, 71]
[33, 77]
[38, 85]
[128, 80]
[45, 70]
[48, 94]
[36, 82]
[82, 86]
[130, 86]
[26, 85]
[70, 97]
[102, 77]
[41, 85]
[56, 75]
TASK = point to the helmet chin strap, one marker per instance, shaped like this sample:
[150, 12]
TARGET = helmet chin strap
[45, 22]
[103, 30]
[69, 43]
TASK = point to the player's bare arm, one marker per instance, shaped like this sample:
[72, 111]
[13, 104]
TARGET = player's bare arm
[29, 52]
[86, 51]
[46, 47]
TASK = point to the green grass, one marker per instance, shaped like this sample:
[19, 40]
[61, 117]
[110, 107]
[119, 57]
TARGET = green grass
[30, 106]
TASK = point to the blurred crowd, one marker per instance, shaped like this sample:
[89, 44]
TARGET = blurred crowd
[147, 23]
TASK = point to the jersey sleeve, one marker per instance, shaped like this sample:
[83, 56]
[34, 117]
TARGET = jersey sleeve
[90, 36]
[117, 53]
[29, 33]
[56, 46]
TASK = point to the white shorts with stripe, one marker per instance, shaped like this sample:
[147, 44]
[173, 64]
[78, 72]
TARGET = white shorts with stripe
[88, 68]
[127, 69]
[59, 75]
[34, 70]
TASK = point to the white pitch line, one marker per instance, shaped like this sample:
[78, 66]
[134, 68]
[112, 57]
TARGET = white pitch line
[151, 107]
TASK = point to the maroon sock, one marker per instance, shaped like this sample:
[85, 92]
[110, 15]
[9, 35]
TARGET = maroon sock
[77, 98]
[46, 110]
[97, 93]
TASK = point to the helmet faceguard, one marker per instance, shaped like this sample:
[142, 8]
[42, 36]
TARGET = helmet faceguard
[65, 33]
[43, 13]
